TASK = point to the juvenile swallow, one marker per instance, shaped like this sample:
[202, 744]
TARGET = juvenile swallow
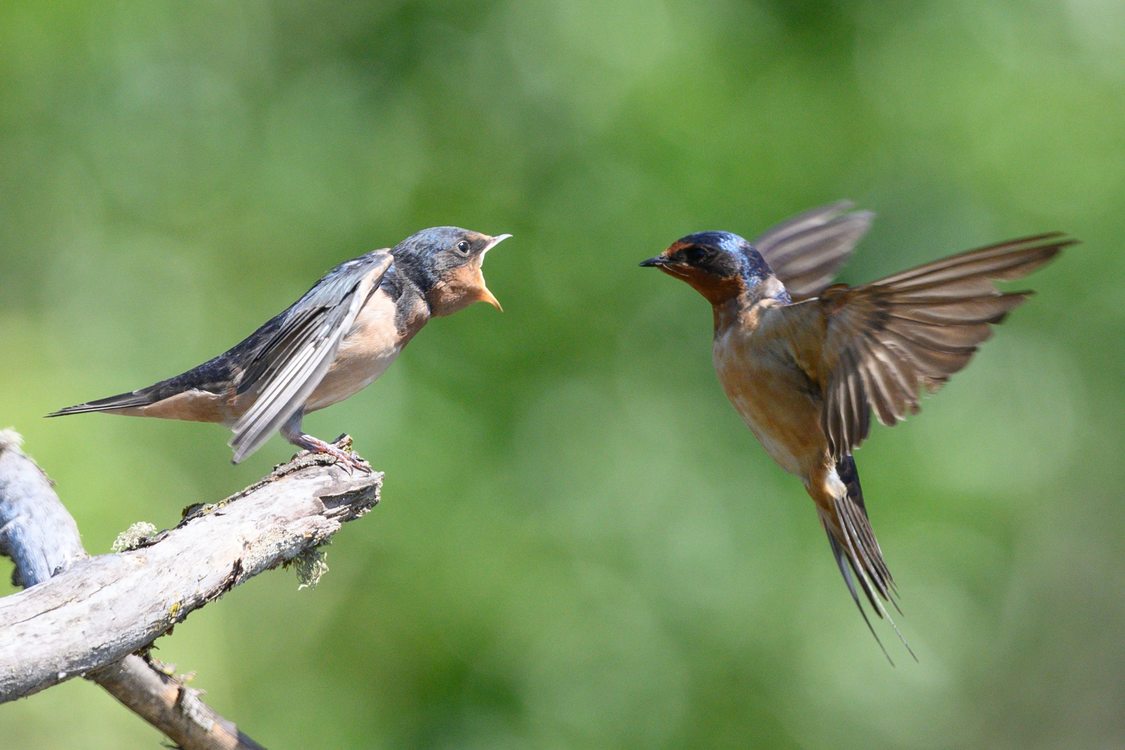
[339, 337]
[805, 364]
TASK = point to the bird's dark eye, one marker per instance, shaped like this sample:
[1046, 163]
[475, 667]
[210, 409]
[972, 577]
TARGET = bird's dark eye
[695, 254]
[464, 247]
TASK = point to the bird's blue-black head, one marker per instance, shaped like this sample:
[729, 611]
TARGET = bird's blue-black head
[719, 265]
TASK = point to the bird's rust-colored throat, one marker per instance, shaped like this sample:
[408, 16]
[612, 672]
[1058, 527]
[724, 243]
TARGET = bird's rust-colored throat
[718, 290]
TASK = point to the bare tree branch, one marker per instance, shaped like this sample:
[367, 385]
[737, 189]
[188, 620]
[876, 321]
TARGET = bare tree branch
[170, 706]
[91, 616]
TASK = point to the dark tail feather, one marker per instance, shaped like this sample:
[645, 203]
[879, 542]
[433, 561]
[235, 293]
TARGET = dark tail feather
[858, 555]
[120, 401]
[858, 528]
[846, 572]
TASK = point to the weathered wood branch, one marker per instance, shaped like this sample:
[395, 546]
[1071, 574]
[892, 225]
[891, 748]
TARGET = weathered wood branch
[170, 706]
[86, 616]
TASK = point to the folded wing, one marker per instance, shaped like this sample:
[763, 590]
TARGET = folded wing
[291, 363]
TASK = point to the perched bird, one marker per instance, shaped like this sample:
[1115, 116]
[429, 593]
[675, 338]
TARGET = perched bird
[805, 364]
[336, 339]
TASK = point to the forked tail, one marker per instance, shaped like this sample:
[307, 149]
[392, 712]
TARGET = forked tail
[212, 377]
[858, 555]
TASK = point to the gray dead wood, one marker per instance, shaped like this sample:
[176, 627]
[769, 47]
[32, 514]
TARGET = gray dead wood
[86, 616]
[36, 531]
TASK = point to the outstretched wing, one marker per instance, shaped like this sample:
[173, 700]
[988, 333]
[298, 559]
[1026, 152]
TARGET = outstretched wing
[887, 339]
[299, 347]
[806, 251]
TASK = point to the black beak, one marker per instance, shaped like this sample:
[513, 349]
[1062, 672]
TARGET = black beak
[656, 262]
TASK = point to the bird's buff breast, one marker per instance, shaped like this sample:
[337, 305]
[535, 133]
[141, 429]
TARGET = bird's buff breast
[771, 395]
[365, 353]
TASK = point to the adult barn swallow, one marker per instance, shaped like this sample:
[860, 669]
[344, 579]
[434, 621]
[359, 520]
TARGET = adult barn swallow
[805, 364]
[339, 337]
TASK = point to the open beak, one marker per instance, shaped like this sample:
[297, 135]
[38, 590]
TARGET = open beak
[493, 243]
[485, 294]
[490, 298]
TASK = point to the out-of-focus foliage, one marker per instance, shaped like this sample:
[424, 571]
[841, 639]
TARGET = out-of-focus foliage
[580, 544]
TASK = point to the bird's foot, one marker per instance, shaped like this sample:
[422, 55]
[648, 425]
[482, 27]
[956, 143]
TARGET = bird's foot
[347, 460]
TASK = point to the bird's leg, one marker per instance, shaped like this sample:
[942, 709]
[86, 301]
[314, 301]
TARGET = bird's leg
[349, 460]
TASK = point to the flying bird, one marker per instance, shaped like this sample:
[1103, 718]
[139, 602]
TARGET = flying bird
[806, 364]
[333, 341]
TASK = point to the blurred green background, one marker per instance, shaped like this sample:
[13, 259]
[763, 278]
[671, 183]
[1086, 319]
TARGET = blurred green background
[580, 545]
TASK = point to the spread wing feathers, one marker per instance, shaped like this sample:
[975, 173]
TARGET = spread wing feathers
[289, 365]
[806, 251]
[886, 339]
